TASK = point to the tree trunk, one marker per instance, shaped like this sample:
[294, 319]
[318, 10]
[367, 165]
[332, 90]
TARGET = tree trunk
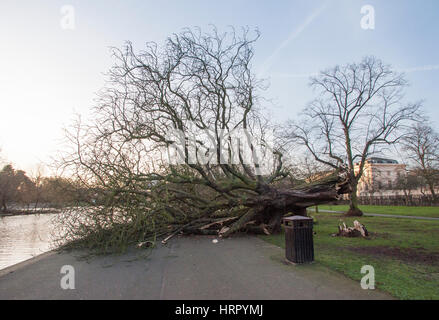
[406, 197]
[4, 207]
[431, 187]
[354, 210]
[264, 212]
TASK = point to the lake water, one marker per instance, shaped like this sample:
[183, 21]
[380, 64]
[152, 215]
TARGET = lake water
[24, 237]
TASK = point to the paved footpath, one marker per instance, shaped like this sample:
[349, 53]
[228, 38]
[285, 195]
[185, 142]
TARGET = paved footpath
[186, 268]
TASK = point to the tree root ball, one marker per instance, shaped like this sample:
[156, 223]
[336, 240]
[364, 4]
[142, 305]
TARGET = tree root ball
[358, 230]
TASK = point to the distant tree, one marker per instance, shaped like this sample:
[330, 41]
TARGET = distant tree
[359, 110]
[407, 183]
[60, 191]
[422, 147]
[13, 185]
[35, 195]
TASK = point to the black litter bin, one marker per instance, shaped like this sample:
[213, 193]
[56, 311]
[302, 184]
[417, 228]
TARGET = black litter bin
[299, 246]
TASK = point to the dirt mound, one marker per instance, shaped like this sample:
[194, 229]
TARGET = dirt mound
[405, 254]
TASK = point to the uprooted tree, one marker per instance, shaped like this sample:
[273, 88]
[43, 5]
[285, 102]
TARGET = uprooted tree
[180, 144]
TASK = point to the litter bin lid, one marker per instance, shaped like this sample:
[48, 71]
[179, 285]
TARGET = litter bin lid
[295, 218]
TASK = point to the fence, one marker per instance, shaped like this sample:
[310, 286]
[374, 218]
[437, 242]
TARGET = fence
[412, 201]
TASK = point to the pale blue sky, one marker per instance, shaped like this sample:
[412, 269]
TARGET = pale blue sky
[47, 73]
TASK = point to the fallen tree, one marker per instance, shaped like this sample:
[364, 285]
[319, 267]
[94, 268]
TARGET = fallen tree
[179, 144]
[262, 213]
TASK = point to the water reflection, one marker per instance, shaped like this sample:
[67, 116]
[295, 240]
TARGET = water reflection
[24, 237]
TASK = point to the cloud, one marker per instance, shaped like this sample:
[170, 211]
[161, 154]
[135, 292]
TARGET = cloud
[420, 68]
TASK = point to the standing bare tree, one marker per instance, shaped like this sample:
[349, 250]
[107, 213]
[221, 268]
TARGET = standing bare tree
[162, 153]
[422, 147]
[359, 110]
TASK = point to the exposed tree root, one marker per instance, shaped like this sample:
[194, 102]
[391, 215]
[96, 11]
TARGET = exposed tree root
[263, 213]
[358, 230]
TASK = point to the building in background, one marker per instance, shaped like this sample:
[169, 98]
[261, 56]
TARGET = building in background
[379, 174]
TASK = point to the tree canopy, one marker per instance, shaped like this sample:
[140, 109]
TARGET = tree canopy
[14, 184]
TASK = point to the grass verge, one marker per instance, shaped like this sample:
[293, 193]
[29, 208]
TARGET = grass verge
[432, 212]
[404, 253]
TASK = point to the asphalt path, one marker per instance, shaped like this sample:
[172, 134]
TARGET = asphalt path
[186, 268]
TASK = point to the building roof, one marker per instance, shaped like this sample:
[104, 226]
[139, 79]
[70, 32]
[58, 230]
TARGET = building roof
[381, 160]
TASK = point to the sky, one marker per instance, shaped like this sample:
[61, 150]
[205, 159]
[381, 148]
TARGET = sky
[53, 54]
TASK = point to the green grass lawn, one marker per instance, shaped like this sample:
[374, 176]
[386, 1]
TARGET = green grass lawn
[432, 212]
[404, 253]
